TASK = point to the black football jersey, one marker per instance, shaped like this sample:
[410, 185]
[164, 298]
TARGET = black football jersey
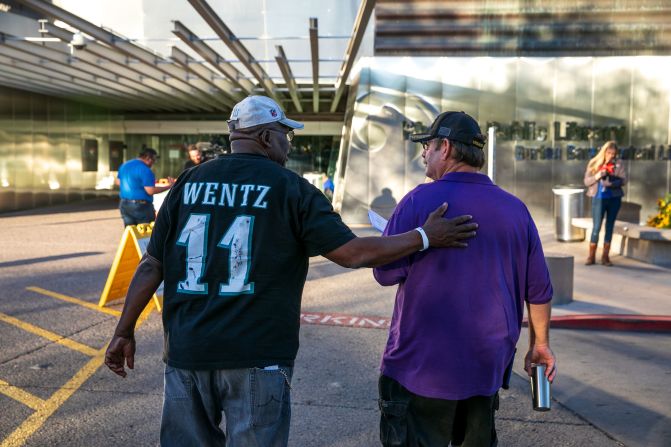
[234, 236]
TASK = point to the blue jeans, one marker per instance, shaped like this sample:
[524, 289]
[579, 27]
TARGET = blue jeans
[256, 404]
[136, 212]
[600, 208]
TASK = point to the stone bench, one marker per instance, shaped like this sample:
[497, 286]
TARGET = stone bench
[647, 244]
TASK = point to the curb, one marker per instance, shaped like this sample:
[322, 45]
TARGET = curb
[612, 322]
[597, 322]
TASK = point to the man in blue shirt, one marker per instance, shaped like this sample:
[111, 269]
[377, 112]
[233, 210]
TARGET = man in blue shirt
[328, 187]
[138, 185]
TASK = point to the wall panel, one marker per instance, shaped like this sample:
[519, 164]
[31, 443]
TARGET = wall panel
[551, 115]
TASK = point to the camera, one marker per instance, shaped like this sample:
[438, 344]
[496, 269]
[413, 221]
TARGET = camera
[211, 150]
[78, 41]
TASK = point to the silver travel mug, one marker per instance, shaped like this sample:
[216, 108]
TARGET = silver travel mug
[540, 388]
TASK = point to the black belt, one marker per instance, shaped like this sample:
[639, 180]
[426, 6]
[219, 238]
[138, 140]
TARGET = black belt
[135, 201]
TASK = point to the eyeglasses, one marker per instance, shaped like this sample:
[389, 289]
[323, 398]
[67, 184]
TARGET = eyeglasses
[289, 135]
[426, 144]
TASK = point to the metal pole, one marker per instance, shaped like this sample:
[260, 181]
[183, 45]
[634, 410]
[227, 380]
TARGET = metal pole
[491, 158]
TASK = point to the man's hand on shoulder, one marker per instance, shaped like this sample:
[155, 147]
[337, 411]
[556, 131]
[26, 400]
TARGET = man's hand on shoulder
[120, 350]
[448, 232]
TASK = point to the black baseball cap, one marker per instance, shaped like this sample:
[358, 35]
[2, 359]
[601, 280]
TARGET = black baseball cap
[457, 126]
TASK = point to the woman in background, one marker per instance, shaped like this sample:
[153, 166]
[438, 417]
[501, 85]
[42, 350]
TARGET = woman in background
[604, 179]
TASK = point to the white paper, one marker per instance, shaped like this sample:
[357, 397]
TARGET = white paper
[159, 198]
[378, 222]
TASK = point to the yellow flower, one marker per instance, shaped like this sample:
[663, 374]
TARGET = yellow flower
[663, 217]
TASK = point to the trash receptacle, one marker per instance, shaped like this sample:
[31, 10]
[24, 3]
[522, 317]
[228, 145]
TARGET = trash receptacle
[569, 203]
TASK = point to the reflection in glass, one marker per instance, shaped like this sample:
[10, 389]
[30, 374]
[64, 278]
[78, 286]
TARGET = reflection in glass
[550, 114]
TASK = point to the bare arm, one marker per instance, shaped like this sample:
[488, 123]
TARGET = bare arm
[146, 280]
[374, 251]
[539, 339]
[151, 190]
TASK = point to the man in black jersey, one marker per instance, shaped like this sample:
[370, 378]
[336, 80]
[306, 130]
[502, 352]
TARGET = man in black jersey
[231, 244]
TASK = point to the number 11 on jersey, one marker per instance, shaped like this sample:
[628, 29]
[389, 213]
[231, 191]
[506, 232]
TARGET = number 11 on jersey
[237, 240]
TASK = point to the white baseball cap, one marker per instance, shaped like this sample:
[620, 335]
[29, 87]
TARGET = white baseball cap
[256, 110]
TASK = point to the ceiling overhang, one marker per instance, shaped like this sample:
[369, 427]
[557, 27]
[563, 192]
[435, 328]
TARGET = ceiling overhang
[116, 72]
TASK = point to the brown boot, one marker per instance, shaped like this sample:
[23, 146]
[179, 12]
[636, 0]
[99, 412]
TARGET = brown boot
[605, 260]
[592, 254]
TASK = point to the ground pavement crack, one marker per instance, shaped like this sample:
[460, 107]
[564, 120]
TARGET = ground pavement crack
[309, 403]
[539, 422]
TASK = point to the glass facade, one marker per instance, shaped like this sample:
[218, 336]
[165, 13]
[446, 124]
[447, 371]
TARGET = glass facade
[316, 154]
[310, 154]
[172, 149]
[551, 115]
[52, 150]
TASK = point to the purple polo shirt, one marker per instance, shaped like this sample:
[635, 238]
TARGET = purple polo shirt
[458, 311]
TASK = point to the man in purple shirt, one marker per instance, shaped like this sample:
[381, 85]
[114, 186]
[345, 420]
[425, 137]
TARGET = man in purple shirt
[458, 313]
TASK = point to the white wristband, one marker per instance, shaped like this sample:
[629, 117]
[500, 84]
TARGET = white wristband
[425, 239]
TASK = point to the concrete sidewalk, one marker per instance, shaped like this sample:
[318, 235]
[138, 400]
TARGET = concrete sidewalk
[628, 287]
[612, 387]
